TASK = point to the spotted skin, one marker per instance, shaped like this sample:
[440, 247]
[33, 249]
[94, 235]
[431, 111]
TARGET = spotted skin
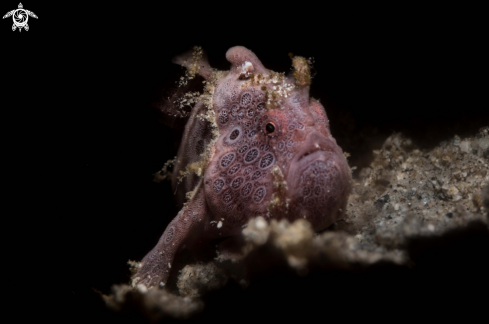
[265, 148]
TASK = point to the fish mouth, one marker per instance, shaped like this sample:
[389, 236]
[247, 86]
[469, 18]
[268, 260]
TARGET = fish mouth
[318, 180]
[313, 152]
[319, 148]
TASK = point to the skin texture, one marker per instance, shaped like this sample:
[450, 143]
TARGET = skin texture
[255, 144]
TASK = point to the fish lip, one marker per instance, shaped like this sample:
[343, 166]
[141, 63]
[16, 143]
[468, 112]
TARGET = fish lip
[311, 152]
[317, 145]
[320, 148]
[315, 155]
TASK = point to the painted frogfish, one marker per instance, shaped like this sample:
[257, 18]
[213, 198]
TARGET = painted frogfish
[254, 144]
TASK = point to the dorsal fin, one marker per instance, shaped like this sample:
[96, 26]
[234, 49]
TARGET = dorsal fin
[176, 98]
[168, 97]
[195, 61]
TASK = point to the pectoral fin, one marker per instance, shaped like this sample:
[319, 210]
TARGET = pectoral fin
[156, 265]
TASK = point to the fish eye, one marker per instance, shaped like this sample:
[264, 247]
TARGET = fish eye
[270, 128]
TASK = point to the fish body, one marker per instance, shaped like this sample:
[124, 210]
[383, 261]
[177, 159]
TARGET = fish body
[255, 144]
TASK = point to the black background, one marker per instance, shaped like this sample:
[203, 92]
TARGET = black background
[81, 142]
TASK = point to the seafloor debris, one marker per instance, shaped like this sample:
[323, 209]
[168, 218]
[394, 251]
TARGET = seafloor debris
[155, 304]
[407, 192]
[407, 195]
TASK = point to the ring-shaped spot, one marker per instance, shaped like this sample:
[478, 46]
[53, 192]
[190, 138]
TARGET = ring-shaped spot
[259, 194]
[252, 155]
[267, 160]
[227, 159]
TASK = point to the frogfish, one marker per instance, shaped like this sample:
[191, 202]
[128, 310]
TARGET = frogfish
[254, 144]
